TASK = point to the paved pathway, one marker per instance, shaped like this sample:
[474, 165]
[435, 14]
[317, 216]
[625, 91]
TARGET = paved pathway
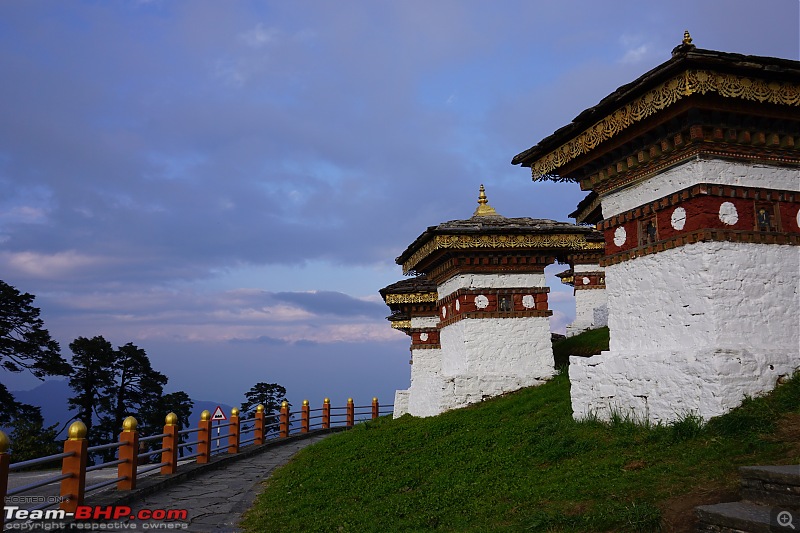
[214, 496]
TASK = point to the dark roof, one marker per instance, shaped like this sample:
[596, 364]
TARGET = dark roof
[492, 225]
[684, 57]
[409, 285]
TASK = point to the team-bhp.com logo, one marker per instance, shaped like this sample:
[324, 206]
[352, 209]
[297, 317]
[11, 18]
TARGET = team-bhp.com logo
[87, 517]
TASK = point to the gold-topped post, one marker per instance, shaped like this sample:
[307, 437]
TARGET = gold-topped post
[204, 438]
[351, 413]
[375, 408]
[73, 487]
[305, 418]
[170, 443]
[128, 452]
[233, 436]
[326, 413]
[284, 425]
[258, 430]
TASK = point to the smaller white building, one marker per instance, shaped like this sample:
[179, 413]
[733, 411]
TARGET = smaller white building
[490, 316]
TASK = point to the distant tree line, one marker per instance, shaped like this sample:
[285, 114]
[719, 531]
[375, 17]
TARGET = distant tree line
[109, 384]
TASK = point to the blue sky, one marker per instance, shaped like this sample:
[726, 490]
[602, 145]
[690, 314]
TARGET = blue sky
[227, 184]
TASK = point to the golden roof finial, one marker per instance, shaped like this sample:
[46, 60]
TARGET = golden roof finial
[484, 209]
[687, 39]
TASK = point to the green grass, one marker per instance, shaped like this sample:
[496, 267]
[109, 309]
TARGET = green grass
[588, 343]
[516, 463]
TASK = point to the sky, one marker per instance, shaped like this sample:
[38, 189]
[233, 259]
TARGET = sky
[227, 184]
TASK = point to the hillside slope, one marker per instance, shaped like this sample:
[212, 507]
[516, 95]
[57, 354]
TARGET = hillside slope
[521, 463]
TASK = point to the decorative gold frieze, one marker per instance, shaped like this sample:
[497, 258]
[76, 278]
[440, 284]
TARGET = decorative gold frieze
[411, 298]
[501, 242]
[668, 93]
[401, 324]
[568, 280]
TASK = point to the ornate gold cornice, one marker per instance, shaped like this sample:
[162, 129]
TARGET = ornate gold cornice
[401, 324]
[568, 280]
[501, 242]
[688, 83]
[411, 298]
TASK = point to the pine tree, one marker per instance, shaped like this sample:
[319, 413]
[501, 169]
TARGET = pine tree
[91, 380]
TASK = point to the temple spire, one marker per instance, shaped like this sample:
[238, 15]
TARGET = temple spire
[484, 209]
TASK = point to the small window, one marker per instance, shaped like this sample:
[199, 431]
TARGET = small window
[506, 304]
[648, 232]
[765, 217]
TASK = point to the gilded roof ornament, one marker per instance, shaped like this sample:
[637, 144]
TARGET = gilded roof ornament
[484, 209]
[687, 39]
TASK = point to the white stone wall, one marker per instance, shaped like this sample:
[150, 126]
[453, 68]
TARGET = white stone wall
[495, 281]
[694, 329]
[482, 358]
[420, 322]
[591, 306]
[400, 403]
[697, 171]
[591, 311]
[427, 385]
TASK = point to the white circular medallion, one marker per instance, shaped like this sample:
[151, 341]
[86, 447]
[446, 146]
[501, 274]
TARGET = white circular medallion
[423, 337]
[728, 214]
[444, 312]
[481, 301]
[678, 219]
[458, 305]
[586, 280]
[528, 302]
[798, 218]
[620, 235]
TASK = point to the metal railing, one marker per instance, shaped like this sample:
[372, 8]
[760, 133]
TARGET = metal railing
[263, 427]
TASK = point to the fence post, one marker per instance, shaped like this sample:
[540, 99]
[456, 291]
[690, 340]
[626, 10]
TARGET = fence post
[233, 436]
[351, 413]
[72, 488]
[170, 444]
[284, 426]
[326, 413]
[259, 426]
[305, 418]
[204, 438]
[375, 408]
[5, 460]
[129, 438]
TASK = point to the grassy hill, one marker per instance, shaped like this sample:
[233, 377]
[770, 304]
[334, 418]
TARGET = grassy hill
[520, 463]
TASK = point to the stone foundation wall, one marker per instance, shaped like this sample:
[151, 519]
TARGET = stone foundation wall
[694, 329]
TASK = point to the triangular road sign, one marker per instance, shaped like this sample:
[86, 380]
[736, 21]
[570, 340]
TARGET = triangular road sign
[218, 414]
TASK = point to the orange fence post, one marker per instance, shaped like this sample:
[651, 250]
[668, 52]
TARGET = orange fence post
[204, 438]
[233, 436]
[170, 443]
[259, 426]
[326, 413]
[375, 408]
[305, 418]
[129, 438]
[5, 460]
[284, 426]
[72, 488]
[351, 413]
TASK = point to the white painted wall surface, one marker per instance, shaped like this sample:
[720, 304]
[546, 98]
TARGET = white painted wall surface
[487, 357]
[694, 329]
[697, 171]
[493, 281]
[591, 311]
[427, 385]
[400, 403]
[419, 322]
